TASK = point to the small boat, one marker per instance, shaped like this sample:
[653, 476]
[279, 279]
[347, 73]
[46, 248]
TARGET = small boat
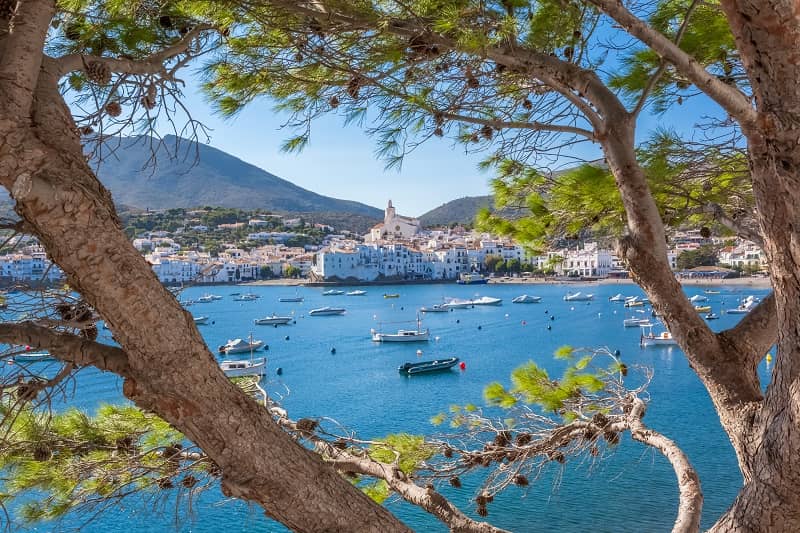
[240, 346]
[472, 279]
[33, 357]
[271, 320]
[235, 369]
[702, 308]
[235, 293]
[395, 295]
[487, 300]
[207, 299]
[247, 297]
[428, 366]
[356, 293]
[650, 339]
[617, 298]
[636, 322]
[292, 299]
[186, 303]
[402, 335]
[634, 301]
[457, 303]
[434, 309]
[526, 299]
[745, 306]
[698, 298]
[322, 311]
[710, 291]
[332, 292]
[711, 316]
[578, 297]
[200, 320]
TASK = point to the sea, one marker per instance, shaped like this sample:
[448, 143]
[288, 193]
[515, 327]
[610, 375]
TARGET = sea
[330, 368]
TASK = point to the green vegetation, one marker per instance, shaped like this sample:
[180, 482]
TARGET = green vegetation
[705, 255]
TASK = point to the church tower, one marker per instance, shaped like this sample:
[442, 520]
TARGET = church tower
[390, 214]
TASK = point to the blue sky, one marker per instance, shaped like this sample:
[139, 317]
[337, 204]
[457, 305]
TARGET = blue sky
[340, 160]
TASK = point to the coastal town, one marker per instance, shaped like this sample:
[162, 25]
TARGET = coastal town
[398, 249]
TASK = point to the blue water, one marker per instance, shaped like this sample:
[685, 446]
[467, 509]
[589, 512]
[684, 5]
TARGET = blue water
[632, 489]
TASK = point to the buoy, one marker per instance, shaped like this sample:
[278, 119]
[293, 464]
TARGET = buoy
[552, 317]
[524, 323]
[266, 347]
[616, 352]
[436, 338]
[419, 352]
[286, 338]
[549, 327]
[401, 307]
[279, 371]
[27, 348]
[294, 321]
[275, 326]
[333, 350]
[462, 365]
[506, 315]
[769, 358]
[374, 317]
[599, 315]
[479, 327]
[546, 311]
[213, 322]
[458, 321]
[572, 308]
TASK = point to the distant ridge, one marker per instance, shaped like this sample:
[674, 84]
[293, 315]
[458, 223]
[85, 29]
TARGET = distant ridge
[193, 175]
[461, 211]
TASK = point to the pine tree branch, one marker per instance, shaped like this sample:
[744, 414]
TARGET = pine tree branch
[755, 334]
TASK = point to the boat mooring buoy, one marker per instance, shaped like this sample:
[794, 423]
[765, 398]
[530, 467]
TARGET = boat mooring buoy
[524, 323]
[286, 338]
[616, 352]
[419, 353]
[462, 365]
[549, 327]
[552, 317]
[546, 311]
[279, 371]
[479, 327]
[333, 350]
[458, 321]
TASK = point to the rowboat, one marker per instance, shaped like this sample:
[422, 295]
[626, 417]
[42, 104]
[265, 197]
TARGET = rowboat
[428, 366]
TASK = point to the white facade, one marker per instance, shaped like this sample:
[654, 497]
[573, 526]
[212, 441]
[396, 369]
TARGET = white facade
[394, 227]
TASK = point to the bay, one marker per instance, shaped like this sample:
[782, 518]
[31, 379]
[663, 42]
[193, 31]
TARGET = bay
[632, 489]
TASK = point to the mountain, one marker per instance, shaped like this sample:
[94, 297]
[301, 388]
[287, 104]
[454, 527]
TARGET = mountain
[462, 211]
[190, 174]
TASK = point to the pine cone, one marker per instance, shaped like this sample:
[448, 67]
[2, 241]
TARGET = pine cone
[7, 8]
[113, 109]
[98, 73]
[148, 101]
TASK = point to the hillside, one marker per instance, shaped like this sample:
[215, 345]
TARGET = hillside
[202, 175]
[462, 210]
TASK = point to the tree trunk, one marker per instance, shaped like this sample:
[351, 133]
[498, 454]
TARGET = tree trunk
[173, 373]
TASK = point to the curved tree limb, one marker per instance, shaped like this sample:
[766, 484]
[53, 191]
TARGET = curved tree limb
[745, 232]
[756, 333]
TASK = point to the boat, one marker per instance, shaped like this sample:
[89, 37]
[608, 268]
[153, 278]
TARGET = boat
[292, 299]
[711, 316]
[578, 297]
[240, 346]
[428, 366]
[471, 279]
[487, 300]
[457, 303]
[322, 311]
[356, 293]
[710, 291]
[247, 297]
[207, 299]
[698, 298]
[434, 309]
[271, 320]
[200, 320]
[702, 308]
[651, 339]
[526, 299]
[636, 322]
[240, 368]
[33, 357]
[745, 306]
[634, 301]
[332, 292]
[395, 295]
[617, 298]
[402, 335]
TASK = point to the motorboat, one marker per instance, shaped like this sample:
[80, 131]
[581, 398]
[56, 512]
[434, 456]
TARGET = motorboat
[652, 339]
[711, 316]
[402, 335]
[322, 311]
[526, 299]
[356, 293]
[240, 346]
[428, 366]
[272, 320]
[578, 297]
[33, 357]
[710, 291]
[291, 299]
[698, 298]
[395, 295]
[617, 298]
[434, 309]
[457, 303]
[634, 301]
[702, 308]
[207, 299]
[200, 320]
[471, 279]
[745, 306]
[247, 297]
[332, 292]
[636, 322]
[235, 369]
[487, 300]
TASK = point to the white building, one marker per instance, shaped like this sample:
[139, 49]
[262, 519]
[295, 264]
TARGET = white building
[394, 227]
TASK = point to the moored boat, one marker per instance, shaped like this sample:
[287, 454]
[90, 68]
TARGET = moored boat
[471, 279]
[698, 298]
[291, 299]
[428, 366]
[636, 322]
[578, 297]
[652, 339]
[710, 291]
[711, 316]
[33, 357]
[402, 335]
[634, 301]
[235, 369]
[457, 303]
[617, 298]
[356, 293]
[745, 306]
[240, 346]
[322, 311]
[434, 309]
[395, 295]
[270, 320]
[702, 308]
[200, 320]
[247, 297]
[487, 300]
[526, 299]
[332, 292]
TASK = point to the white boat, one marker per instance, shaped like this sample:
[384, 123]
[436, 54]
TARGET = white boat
[322, 311]
[457, 303]
[618, 298]
[247, 297]
[487, 300]
[291, 299]
[402, 335]
[636, 322]
[271, 320]
[332, 292]
[651, 339]
[698, 298]
[235, 369]
[711, 316]
[634, 301]
[745, 306]
[578, 297]
[472, 279]
[356, 293]
[240, 346]
[200, 320]
[526, 299]
[33, 357]
[207, 299]
[434, 309]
